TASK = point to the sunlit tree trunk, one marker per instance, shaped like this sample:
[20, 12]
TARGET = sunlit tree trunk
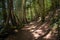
[36, 9]
[24, 10]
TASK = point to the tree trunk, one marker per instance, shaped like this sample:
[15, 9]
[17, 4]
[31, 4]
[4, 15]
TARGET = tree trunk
[24, 11]
[4, 10]
[11, 12]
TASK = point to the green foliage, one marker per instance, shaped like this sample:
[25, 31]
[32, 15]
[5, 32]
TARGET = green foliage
[47, 4]
[33, 8]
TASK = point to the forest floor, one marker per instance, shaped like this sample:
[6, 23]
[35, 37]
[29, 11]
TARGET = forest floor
[35, 31]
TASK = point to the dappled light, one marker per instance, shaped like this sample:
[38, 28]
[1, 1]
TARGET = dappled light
[48, 36]
[29, 19]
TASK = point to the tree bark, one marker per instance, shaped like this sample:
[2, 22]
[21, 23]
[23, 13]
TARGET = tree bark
[4, 10]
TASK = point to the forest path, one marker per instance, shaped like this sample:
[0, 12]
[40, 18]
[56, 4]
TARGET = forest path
[36, 31]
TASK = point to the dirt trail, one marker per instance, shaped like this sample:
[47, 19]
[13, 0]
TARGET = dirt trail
[34, 31]
[31, 33]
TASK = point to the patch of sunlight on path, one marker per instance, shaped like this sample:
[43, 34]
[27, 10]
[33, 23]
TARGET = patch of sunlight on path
[39, 32]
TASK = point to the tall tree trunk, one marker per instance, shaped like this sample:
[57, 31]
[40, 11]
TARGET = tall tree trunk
[4, 10]
[23, 10]
[43, 12]
[54, 9]
[11, 12]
